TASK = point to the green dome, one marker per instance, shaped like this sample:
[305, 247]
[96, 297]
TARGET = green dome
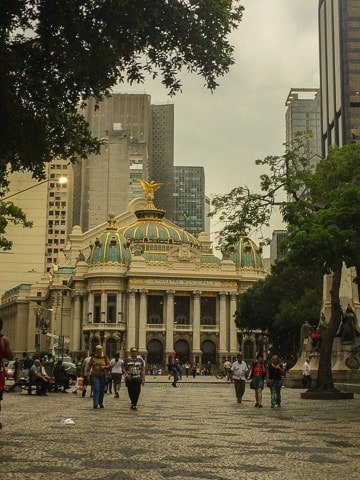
[245, 254]
[153, 236]
[209, 258]
[110, 247]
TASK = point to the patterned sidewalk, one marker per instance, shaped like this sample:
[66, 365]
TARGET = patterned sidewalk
[196, 431]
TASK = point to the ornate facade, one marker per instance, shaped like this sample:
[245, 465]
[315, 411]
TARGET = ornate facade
[142, 281]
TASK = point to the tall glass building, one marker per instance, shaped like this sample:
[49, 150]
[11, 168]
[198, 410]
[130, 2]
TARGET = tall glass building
[189, 198]
[339, 30]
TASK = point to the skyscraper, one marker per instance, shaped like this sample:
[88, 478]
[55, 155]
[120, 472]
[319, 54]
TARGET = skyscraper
[303, 115]
[138, 141]
[162, 155]
[189, 199]
[35, 250]
[339, 33]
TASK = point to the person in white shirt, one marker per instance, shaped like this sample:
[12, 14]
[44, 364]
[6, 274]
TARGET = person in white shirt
[116, 373]
[239, 371]
[306, 380]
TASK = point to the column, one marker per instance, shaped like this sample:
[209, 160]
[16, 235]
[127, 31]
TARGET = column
[120, 309]
[196, 323]
[131, 320]
[90, 313]
[222, 324]
[232, 328]
[103, 317]
[76, 324]
[169, 322]
[142, 321]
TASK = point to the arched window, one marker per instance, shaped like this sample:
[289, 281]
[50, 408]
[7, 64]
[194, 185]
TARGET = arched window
[248, 350]
[155, 353]
[182, 350]
[208, 349]
[110, 347]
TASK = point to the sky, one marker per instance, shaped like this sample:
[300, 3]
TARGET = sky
[276, 49]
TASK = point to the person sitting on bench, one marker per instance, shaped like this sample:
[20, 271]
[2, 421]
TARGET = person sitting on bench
[61, 378]
[38, 378]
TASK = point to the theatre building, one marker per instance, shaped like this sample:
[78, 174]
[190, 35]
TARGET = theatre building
[139, 280]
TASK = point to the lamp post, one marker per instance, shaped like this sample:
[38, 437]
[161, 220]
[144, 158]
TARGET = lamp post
[61, 180]
[61, 336]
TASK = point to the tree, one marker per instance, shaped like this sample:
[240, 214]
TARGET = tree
[279, 305]
[323, 223]
[55, 54]
[10, 213]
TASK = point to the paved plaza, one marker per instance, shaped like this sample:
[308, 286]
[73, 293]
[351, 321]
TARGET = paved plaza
[196, 431]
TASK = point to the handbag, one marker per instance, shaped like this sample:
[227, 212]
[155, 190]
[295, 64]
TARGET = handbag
[269, 382]
[252, 384]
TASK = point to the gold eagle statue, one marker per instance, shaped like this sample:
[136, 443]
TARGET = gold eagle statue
[150, 188]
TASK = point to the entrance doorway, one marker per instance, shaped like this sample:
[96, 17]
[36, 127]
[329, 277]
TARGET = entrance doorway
[182, 351]
[208, 349]
[155, 353]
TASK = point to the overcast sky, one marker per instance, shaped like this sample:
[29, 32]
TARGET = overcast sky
[244, 119]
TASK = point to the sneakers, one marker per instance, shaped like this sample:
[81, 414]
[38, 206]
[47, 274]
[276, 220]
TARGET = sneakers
[95, 406]
[101, 405]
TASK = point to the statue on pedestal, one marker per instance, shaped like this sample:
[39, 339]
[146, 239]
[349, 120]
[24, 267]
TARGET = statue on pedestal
[348, 329]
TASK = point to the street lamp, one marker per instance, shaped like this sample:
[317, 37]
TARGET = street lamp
[61, 336]
[60, 180]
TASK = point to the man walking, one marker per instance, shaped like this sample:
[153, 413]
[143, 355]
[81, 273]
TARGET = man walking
[134, 371]
[306, 380]
[239, 370]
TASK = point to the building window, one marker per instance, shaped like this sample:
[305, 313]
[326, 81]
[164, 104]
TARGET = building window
[97, 308]
[111, 308]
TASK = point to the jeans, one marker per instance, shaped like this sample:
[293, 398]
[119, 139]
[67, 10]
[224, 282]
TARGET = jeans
[116, 378]
[98, 384]
[276, 392]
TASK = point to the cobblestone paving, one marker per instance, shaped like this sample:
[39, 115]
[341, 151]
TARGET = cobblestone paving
[196, 431]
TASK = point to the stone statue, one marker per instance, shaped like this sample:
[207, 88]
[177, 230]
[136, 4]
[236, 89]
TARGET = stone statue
[305, 331]
[348, 329]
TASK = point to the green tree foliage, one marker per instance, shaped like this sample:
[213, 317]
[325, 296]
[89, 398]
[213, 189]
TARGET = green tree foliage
[55, 54]
[281, 303]
[10, 213]
[245, 210]
[323, 223]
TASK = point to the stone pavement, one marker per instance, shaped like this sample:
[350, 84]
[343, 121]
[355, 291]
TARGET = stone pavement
[196, 431]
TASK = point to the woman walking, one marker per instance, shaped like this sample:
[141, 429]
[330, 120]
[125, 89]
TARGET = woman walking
[274, 374]
[98, 365]
[257, 375]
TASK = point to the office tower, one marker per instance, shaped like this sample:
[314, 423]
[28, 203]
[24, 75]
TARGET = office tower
[303, 115]
[189, 198]
[138, 141]
[48, 205]
[162, 156]
[339, 34]
[277, 251]
[105, 183]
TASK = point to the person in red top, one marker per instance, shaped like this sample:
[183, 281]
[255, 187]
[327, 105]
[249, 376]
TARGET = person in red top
[257, 375]
[5, 353]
